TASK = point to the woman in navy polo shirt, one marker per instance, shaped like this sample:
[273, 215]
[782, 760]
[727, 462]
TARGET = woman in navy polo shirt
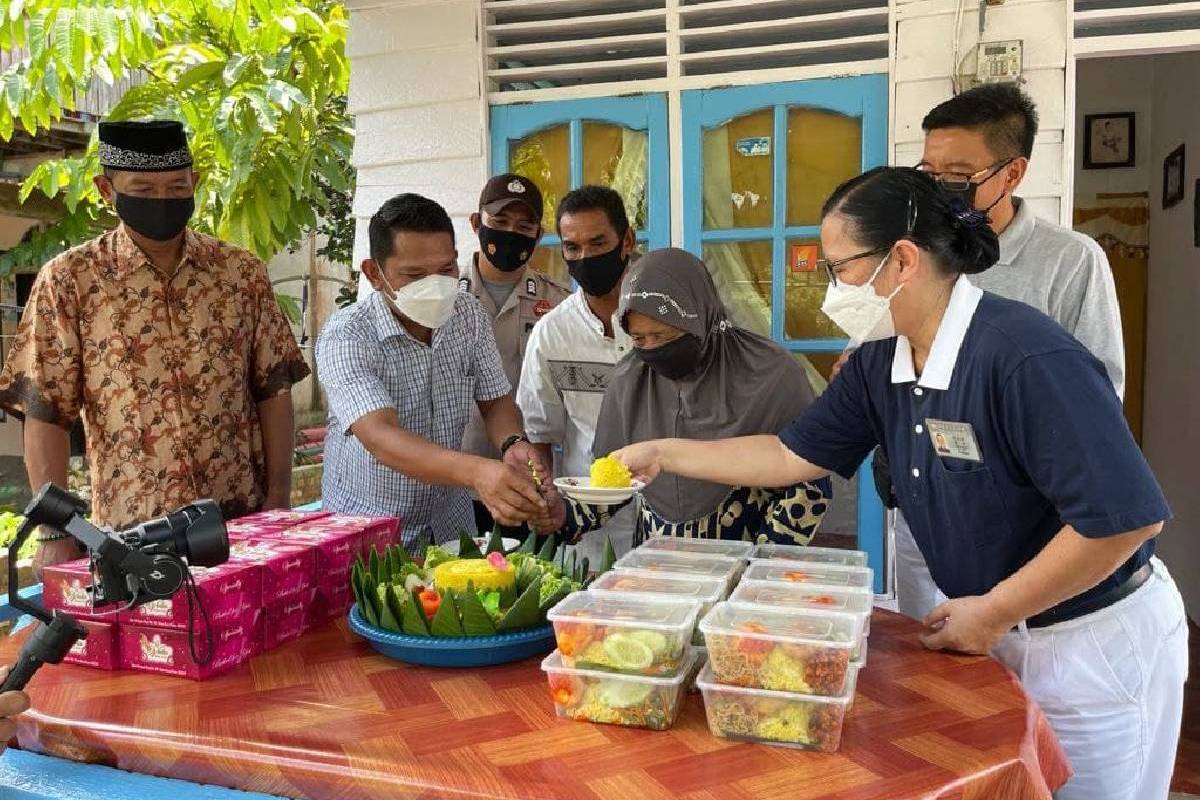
[1013, 464]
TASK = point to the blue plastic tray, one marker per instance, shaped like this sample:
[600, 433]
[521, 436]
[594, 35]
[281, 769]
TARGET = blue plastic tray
[455, 651]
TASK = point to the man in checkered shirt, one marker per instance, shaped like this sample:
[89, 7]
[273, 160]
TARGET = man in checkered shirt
[401, 369]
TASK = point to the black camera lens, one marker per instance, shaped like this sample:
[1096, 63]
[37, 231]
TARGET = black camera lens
[195, 532]
[206, 541]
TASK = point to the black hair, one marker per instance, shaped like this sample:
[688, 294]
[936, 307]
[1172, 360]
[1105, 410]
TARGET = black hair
[888, 204]
[405, 212]
[595, 198]
[1005, 115]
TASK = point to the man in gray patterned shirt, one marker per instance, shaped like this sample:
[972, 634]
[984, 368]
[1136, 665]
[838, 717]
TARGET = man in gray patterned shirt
[401, 369]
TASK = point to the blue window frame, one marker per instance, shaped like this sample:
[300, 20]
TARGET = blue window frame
[864, 98]
[511, 123]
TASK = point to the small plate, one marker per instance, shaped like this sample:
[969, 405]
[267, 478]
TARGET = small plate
[451, 545]
[581, 489]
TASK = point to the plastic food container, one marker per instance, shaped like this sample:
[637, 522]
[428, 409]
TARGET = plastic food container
[780, 718]
[628, 635]
[701, 661]
[685, 546]
[637, 701]
[808, 652]
[860, 660]
[803, 596]
[707, 592]
[693, 566]
[860, 579]
[815, 555]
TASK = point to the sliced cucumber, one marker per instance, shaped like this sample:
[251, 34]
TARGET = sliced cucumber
[624, 694]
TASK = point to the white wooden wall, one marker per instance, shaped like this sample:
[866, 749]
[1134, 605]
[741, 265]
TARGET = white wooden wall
[420, 114]
[417, 90]
[921, 79]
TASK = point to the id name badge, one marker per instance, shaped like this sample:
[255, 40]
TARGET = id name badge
[953, 440]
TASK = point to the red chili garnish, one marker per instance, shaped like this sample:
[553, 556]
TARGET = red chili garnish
[431, 601]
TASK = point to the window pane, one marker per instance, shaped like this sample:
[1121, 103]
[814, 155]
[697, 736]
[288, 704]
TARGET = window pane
[824, 149]
[617, 157]
[742, 273]
[738, 172]
[804, 292]
[545, 158]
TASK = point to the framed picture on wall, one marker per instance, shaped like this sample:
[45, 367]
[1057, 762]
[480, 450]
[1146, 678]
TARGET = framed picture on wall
[1173, 177]
[1109, 141]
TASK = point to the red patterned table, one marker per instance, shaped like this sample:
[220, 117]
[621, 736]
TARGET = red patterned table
[328, 719]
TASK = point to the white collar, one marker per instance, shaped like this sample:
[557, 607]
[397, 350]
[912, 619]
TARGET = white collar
[939, 367]
[593, 322]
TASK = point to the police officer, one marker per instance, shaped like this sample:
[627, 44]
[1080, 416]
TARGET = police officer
[1039, 518]
[513, 294]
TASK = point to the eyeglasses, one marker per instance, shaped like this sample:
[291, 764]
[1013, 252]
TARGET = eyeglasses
[910, 224]
[830, 266]
[961, 181]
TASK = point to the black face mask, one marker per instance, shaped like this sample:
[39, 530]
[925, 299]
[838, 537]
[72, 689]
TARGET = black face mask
[507, 251]
[597, 275]
[967, 196]
[676, 359]
[160, 219]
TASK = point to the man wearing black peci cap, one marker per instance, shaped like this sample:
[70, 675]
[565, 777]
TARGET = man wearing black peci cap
[513, 294]
[168, 343]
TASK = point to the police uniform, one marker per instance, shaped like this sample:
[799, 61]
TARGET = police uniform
[531, 299]
[1033, 439]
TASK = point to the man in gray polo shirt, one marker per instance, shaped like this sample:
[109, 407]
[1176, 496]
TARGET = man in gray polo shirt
[978, 146]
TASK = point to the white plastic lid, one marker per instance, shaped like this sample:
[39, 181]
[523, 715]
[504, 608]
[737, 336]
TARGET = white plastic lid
[809, 574]
[665, 585]
[553, 663]
[612, 609]
[799, 626]
[802, 595]
[817, 555]
[691, 546]
[652, 561]
[706, 681]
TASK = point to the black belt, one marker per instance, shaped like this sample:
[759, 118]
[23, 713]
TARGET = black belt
[1094, 604]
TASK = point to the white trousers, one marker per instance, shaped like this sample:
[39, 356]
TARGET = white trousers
[1111, 686]
[916, 593]
[1109, 683]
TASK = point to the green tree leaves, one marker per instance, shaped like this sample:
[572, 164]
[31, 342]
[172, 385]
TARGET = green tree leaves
[260, 85]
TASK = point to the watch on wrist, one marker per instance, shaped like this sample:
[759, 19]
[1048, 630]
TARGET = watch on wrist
[510, 441]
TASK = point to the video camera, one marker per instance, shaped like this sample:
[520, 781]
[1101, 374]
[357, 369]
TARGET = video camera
[145, 563]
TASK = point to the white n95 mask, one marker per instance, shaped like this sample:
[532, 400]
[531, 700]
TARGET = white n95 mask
[864, 315]
[428, 301]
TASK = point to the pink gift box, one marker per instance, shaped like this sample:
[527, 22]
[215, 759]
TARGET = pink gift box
[333, 600]
[67, 587]
[287, 620]
[337, 547]
[253, 529]
[382, 535]
[282, 516]
[287, 569]
[100, 650]
[225, 593]
[164, 651]
[378, 532]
